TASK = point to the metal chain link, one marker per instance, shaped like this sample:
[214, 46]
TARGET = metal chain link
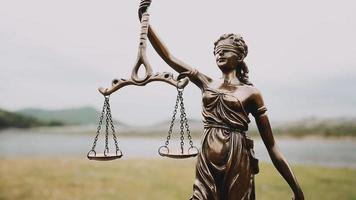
[182, 120]
[106, 111]
[112, 128]
[186, 122]
[107, 126]
[99, 126]
[172, 121]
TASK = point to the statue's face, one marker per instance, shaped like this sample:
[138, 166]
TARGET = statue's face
[226, 59]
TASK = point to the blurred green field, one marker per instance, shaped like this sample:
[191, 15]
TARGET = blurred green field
[151, 179]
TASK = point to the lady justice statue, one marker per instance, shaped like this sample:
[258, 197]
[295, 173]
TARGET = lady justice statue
[226, 165]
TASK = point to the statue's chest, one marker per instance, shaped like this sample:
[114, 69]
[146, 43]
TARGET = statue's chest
[217, 99]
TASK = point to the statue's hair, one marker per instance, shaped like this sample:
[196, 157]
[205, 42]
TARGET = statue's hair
[239, 43]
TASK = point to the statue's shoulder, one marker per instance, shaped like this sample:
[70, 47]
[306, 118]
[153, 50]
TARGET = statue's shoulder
[254, 96]
[251, 90]
[255, 101]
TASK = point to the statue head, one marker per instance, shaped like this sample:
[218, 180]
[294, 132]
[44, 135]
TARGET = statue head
[230, 51]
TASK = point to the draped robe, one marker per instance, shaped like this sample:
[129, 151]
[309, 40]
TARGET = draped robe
[226, 164]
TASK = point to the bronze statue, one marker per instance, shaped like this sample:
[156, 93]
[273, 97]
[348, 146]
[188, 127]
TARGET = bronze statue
[226, 165]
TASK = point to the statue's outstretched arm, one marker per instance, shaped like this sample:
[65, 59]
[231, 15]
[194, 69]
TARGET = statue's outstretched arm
[277, 158]
[173, 62]
[164, 53]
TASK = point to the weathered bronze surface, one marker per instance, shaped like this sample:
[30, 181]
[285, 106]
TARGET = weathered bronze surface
[226, 165]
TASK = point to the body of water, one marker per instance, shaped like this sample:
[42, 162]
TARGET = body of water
[21, 143]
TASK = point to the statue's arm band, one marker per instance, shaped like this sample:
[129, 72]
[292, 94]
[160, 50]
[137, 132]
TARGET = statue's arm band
[260, 111]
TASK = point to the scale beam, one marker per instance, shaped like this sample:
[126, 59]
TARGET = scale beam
[164, 77]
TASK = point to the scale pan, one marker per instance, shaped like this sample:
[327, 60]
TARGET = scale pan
[92, 155]
[178, 155]
[164, 151]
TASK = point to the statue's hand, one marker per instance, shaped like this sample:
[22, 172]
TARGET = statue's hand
[143, 7]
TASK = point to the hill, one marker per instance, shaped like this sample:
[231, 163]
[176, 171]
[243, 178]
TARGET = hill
[332, 127]
[161, 129]
[10, 119]
[85, 115]
[75, 116]
[327, 127]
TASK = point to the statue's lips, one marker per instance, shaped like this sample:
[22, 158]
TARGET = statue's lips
[221, 59]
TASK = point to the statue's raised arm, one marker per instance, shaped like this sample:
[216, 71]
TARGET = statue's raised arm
[196, 77]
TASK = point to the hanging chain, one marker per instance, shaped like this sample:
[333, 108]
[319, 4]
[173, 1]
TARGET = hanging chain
[99, 126]
[112, 128]
[185, 120]
[182, 120]
[172, 121]
[107, 126]
[106, 111]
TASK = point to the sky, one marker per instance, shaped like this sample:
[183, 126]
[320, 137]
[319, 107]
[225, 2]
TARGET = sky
[55, 54]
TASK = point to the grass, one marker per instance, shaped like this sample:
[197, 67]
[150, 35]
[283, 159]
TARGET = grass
[79, 179]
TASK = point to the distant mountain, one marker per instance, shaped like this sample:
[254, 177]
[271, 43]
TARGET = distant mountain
[161, 129]
[194, 125]
[332, 127]
[74, 116]
[10, 119]
[84, 115]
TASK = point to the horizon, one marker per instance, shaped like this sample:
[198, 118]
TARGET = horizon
[154, 123]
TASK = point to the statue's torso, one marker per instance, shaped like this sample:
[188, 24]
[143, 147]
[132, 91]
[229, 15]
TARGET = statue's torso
[227, 105]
